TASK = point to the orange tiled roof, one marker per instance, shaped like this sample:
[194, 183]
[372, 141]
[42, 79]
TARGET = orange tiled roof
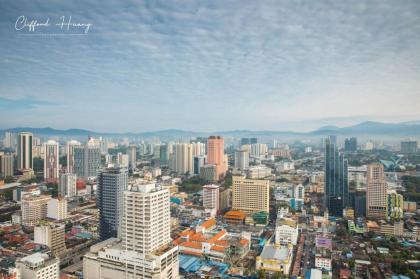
[218, 248]
[186, 233]
[198, 237]
[235, 215]
[209, 223]
[221, 242]
[192, 253]
[217, 236]
[243, 241]
[191, 245]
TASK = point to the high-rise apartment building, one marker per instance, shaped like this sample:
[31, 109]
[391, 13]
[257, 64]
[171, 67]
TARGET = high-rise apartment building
[146, 249]
[164, 155]
[250, 195]
[395, 205]
[67, 185]
[57, 208]
[336, 188]
[70, 154]
[259, 149]
[34, 209]
[24, 150]
[87, 160]
[241, 159]
[183, 157]
[376, 192]
[216, 155]
[51, 161]
[51, 235]
[6, 165]
[211, 197]
[123, 160]
[9, 140]
[111, 184]
[350, 144]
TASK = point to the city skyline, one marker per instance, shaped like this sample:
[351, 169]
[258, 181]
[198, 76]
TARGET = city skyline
[207, 66]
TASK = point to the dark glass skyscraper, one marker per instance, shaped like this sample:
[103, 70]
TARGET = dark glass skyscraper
[336, 188]
[350, 144]
[111, 185]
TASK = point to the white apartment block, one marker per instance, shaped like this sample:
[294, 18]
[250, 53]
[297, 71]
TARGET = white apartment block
[34, 208]
[67, 185]
[51, 235]
[211, 197]
[57, 209]
[38, 266]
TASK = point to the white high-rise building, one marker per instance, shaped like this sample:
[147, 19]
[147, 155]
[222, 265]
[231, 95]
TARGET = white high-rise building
[183, 157]
[51, 235]
[211, 197]
[67, 185]
[70, 154]
[259, 149]
[9, 140]
[241, 159]
[24, 150]
[51, 161]
[132, 156]
[57, 209]
[34, 208]
[145, 250]
[376, 193]
[122, 160]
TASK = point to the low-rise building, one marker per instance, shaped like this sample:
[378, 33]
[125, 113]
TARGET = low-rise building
[38, 266]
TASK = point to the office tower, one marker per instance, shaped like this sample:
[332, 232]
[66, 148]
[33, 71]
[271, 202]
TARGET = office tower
[199, 161]
[259, 149]
[132, 156]
[51, 161]
[350, 144]
[6, 165]
[211, 197]
[250, 195]
[122, 160]
[70, 154]
[360, 206]
[57, 208]
[111, 184]
[67, 185]
[145, 249]
[336, 188]
[216, 155]
[332, 139]
[87, 160]
[24, 151]
[395, 205]
[38, 266]
[34, 209]
[209, 173]
[376, 198]
[163, 155]
[248, 141]
[51, 235]
[408, 147]
[9, 140]
[241, 159]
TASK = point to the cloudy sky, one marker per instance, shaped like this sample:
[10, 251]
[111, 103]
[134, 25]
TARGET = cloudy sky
[209, 65]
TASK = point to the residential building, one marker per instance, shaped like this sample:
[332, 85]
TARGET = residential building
[87, 160]
[286, 232]
[209, 173]
[241, 159]
[24, 150]
[51, 161]
[67, 185]
[34, 208]
[132, 156]
[350, 144]
[57, 208]
[257, 172]
[250, 195]
[211, 197]
[6, 165]
[70, 154]
[376, 193]
[38, 266]
[111, 184]
[409, 147]
[51, 235]
[395, 205]
[259, 149]
[225, 199]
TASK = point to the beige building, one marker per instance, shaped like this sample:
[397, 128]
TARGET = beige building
[376, 193]
[146, 249]
[209, 173]
[250, 195]
[51, 235]
[57, 209]
[34, 208]
[38, 266]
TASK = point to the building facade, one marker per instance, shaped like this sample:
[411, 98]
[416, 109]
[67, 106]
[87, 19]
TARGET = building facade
[24, 150]
[250, 195]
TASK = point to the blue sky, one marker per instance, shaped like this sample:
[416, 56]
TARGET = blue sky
[210, 65]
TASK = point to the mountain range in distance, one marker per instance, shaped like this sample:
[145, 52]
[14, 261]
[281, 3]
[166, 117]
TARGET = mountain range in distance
[364, 129]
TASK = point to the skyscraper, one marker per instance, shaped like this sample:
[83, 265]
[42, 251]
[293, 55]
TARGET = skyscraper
[70, 154]
[67, 185]
[350, 144]
[9, 140]
[241, 159]
[409, 147]
[24, 150]
[376, 193]
[6, 165]
[163, 155]
[51, 161]
[87, 160]
[111, 184]
[216, 155]
[336, 188]
[132, 156]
